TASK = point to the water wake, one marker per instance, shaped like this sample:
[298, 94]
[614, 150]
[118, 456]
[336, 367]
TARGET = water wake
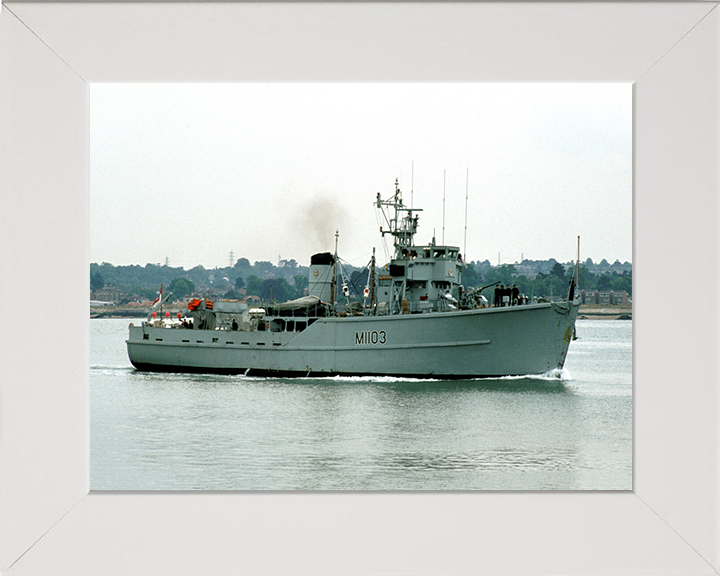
[109, 369]
[553, 375]
[377, 379]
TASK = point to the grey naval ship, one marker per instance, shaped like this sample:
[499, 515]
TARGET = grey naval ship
[414, 319]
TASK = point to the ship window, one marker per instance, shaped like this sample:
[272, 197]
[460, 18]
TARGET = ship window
[229, 342]
[214, 340]
[290, 326]
[158, 339]
[300, 326]
[245, 343]
[146, 336]
[439, 254]
[188, 341]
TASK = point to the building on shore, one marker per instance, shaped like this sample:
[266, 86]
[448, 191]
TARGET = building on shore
[604, 297]
[107, 294]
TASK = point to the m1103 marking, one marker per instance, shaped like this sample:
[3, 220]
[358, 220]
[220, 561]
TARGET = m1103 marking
[371, 337]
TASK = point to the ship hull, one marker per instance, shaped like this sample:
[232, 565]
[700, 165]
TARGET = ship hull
[487, 342]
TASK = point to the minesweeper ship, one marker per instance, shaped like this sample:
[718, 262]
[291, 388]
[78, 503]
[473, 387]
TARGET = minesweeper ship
[414, 320]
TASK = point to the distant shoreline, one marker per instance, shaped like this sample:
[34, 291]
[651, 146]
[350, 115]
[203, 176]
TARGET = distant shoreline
[587, 312]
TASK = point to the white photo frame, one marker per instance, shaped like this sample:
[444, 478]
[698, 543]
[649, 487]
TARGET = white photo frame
[49, 523]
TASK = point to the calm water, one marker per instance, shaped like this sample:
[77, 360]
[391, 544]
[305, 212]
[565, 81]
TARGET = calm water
[196, 432]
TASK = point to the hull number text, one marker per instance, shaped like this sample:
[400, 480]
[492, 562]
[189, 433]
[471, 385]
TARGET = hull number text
[370, 337]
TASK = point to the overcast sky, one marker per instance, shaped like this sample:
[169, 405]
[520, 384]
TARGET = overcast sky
[192, 172]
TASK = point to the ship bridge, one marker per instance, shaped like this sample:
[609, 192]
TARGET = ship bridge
[422, 279]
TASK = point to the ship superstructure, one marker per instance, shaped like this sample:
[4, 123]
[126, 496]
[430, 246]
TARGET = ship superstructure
[414, 319]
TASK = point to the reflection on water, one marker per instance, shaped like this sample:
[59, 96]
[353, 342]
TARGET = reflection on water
[565, 430]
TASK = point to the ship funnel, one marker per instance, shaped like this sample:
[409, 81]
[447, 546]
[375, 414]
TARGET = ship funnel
[321, 276]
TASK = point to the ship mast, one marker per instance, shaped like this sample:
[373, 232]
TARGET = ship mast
[372, 284]
[333, 282]
[577, 266]
[402, 225]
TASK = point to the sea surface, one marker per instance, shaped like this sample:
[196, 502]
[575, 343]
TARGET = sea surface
[569, 430]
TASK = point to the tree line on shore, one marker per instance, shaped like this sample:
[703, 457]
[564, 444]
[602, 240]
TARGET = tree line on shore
[288, 280]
